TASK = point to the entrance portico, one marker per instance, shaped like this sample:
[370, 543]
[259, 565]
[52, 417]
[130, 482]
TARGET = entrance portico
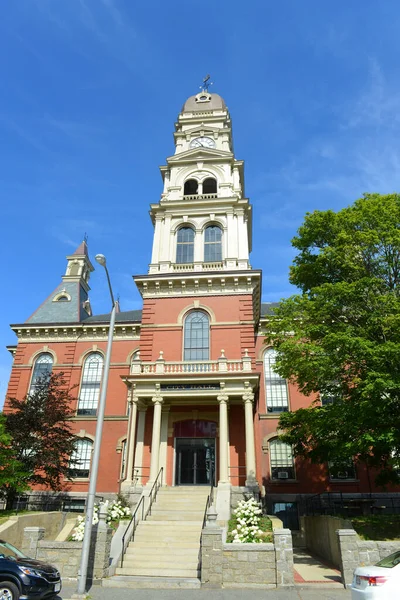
[198, 454]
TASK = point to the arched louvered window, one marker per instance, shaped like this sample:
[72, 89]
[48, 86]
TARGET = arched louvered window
[41, 371]
[210, 186]
[79, 464]
[196, 336]
[90, 384]
[190, 188]
[185, 245]
[213, 244]
[275, 387]
[281, 459]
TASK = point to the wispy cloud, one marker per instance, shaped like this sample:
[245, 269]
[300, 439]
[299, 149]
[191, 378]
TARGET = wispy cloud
[360, 153]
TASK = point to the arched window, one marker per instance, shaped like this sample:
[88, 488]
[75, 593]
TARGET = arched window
[210, 186]
[185, 245]
[42, 370]
[275, 387]
[281, 459]
[213, 244]
[196, 336]
[190, 188]
[90, 384]
[62, 299]
[79, 463]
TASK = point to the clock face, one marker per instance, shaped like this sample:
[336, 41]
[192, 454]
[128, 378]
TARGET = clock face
[202, 142]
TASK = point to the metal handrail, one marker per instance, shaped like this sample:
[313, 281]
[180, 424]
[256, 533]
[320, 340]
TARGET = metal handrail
[209, 502]
[134, 524]
[155, 487]
[130, 535]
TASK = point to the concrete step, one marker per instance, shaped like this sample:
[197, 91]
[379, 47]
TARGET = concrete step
[155, 572]
[185, 489]
[136, 563]
[169, 515]
[186, 526]
[144, 551]
[173, 544]
[155, 583]
[165, 537]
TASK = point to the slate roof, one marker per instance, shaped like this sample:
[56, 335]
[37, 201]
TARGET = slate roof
[267, 308]
[81, 249]
[126, 316]
[135, 316]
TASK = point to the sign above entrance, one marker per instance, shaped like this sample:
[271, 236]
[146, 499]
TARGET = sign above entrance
[195, 428]
[189, 386]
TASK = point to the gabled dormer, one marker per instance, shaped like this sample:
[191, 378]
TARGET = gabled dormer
[69, 302]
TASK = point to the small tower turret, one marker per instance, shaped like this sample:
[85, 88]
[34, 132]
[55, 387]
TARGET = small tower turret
[69, 302]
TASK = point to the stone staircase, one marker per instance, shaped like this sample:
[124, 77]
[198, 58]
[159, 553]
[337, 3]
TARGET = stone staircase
[165, 551]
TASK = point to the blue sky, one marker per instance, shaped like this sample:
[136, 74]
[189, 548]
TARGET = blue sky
[90, 93]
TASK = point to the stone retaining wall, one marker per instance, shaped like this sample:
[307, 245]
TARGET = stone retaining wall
[321, 538]
[53, 522]
[246, 565]
[66, 556]
[355, 552]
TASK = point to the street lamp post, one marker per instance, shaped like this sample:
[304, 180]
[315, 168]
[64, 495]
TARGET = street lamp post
[82, 576]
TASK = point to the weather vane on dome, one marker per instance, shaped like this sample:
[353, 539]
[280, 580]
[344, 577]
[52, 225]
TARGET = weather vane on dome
[85, 238]
[206, 83]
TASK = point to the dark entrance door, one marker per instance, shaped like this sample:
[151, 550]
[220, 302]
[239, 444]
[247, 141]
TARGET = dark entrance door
[195, 461]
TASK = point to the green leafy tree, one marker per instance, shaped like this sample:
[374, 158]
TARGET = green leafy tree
[12, 473]
[40, 428]
[340, 338]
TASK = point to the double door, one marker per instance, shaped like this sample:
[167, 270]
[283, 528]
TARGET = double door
[195, 461]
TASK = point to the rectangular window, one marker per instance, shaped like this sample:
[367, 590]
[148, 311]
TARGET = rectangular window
[185, 253]
[281, 458]
[342, 471]
[88, 399]
[275, 386]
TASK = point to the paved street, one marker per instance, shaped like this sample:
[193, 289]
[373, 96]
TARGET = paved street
[317, 593]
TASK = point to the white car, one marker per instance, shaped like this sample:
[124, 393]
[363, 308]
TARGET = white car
[378, 582]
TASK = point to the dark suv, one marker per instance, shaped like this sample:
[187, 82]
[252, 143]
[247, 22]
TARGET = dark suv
[25, 578]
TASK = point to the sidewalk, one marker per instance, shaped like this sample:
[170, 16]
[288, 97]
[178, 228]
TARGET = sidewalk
[308, 570]
[297, 593]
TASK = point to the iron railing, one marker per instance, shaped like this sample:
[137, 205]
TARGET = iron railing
[47, 503]
[129, 534]
[351, 505]
[209, 502]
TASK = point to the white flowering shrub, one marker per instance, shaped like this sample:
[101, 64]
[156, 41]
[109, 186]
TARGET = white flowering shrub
[248, 515]
[115, 512]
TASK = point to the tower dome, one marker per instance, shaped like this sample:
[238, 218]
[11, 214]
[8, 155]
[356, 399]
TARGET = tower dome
[204, 101]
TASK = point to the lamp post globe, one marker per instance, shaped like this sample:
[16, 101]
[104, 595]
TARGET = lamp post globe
[101, 259]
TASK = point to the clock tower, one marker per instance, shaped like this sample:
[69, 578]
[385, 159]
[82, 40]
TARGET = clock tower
[203, 220]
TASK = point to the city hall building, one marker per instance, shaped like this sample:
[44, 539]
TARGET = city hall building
[192, 387]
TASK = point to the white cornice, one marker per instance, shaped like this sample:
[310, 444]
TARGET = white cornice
[71, 333]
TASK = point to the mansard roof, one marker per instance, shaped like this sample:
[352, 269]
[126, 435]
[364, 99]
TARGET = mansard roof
[267, 308]
[126, 316]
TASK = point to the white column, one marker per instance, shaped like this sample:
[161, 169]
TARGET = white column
[248, 398]
[198, 253]
[243, 245]
[223, 438]
[140, 444]
[231, 229]
[164, 441]
[155, 257]
[133, 407]
[155, 439]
